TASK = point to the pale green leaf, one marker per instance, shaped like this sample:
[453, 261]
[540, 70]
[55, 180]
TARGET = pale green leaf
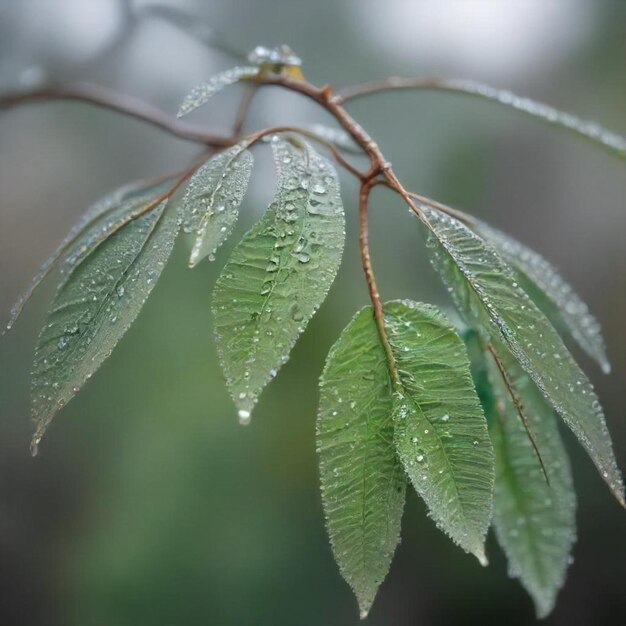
[210, 207]
[588, 130]
[93, 226]
[542, 282]
[363, 483]
[279, 273]
[534, 521]
[337, 136]
[202, 93]
[440, 430]
[485, 291]
[94, 308]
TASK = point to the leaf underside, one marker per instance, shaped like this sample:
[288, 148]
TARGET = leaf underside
[486, 293]
[440, 430]
[210, 207]
[94, 307]
[363, 483]
[534, 521]
[279, 273]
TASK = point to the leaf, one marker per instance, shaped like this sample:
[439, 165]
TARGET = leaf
[202, 93]
[210, 206]
[337, 136]
[542, 282]
[95, 224]
[534, 521]
[362, 480]
[486, 293]
[279, 274]
[440, 430]
[94, 308]
[589, 130]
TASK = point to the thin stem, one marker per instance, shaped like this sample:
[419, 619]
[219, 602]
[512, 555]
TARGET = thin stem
[126, 105]
[352, 92]
[462, 217]
[253, 138]
[244, 106]
[519, 407]
[366, 262]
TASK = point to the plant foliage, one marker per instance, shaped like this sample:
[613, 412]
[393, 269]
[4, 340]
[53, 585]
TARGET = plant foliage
[466, 418]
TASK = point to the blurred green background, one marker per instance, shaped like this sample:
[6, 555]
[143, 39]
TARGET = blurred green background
[149, 504]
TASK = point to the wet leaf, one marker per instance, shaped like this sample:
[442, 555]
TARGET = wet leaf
[92, 227]
[440, 430]
[202, 93]
[551, 293]
[279, 273]
[210, 206]
[534, 521]
[487, 294]
[94, 307]
[363, 483]
[588, 130]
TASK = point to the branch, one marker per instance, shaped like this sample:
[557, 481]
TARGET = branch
[352, 92]
[125, 105]
[379, 316]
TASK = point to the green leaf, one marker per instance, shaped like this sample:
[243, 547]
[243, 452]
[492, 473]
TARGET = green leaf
[93, 227]
[279, 274]
[534, 521]
[363, 483]
[440, 430]
[550, 292]
[202, 93]
[210, 206]
[592, 131]
[486, 293]
[94, 308]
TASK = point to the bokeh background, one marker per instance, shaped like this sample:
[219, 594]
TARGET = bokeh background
[149, 504]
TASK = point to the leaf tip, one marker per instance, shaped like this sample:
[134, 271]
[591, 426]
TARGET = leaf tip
[543, 604]
[34, 444]
[363, 613]
[481, 556]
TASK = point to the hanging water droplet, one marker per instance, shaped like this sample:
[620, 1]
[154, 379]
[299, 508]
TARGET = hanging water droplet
[243, 417]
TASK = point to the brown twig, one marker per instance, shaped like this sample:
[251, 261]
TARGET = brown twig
[244, 106]
[126, 105]
[324, 96]
[366, 262]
